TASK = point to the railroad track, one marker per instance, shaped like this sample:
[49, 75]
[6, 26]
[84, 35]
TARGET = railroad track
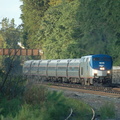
[93, 88]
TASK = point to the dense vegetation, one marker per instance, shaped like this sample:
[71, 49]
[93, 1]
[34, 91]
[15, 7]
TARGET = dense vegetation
[72, 28]
[66, 28]
[39, 104]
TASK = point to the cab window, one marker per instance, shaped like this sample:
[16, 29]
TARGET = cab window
[96, 59]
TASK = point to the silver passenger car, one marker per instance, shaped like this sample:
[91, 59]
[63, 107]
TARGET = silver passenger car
[42, 68]
[35, 67]
[52, 69]
[62, 68]
[27, 67]
[86, 70]
[74, 70]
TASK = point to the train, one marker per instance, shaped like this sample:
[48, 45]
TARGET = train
[116, 75]
[87, 70]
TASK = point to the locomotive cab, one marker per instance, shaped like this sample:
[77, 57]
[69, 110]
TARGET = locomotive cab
[101, 68]
[96, 69]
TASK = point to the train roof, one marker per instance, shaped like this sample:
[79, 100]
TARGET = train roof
[97, 55]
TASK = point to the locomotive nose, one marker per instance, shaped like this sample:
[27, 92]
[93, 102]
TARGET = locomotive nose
[102, 68]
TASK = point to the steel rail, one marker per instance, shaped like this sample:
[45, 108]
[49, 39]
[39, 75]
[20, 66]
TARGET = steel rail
[93, 117]
[94, 88]
[71, 111]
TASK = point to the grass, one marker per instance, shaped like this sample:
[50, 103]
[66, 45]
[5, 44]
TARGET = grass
[37, 103]
[107, 111]
[41, 104]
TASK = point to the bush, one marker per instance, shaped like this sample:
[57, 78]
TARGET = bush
[35, 95]
[41, 104]
[51, 105]
[57, 106]
[81, 111]
[48, 105]
[13, 86]
[9, 107]
[107, 111]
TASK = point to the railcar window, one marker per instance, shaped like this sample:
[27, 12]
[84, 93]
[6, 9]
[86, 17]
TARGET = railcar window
[35, 69]
[96, 59]
[51, 68]
[70, 68]
[81, 70]
[106, 59]
[87, 59]
[83, 59]
[42, 68]
[61, 68]
[73, 68]
[76, 68]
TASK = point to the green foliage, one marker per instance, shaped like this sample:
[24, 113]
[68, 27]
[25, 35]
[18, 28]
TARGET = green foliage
[41, 104]
[54, 2]
[13, 87]
[27, 113]
[99, 21]
[72, 28]
[35, 95]
[56, 29]
[51, 103]
[10, 95]
[52, 106]
[81, 110]
[107, 111]
[9, 38]
[56, 105]
[33, 11]
[9, 107]
[10, 34]
[1, 41]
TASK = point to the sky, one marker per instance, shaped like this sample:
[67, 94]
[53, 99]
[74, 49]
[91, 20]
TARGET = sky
[10, 9]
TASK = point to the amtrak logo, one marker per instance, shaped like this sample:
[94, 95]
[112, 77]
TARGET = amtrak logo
[101, 62]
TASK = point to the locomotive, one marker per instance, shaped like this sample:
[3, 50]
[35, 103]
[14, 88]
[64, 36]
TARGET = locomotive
[87, 70]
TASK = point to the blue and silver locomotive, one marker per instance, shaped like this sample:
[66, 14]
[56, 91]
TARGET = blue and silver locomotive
[87, 70]
[96, 69]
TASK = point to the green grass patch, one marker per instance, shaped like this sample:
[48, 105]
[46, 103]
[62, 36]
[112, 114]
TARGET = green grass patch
[9, 106]
[81, 111]
[41, 104]
[107, 111]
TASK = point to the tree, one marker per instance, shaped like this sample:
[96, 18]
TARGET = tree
[10, 34]
[56, 29]
[32, 13]
[72, 28]
[99, 21]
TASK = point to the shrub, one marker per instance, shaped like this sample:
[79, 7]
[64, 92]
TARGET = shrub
[81, 111]
[9, 107]
[35, 95]
[107, 111]
[57, 106]
[41, 104]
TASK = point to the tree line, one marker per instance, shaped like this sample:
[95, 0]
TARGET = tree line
[71, 28]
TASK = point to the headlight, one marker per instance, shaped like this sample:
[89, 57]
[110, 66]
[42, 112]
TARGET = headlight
[102, 68]
[108, 72]
[95, 71]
